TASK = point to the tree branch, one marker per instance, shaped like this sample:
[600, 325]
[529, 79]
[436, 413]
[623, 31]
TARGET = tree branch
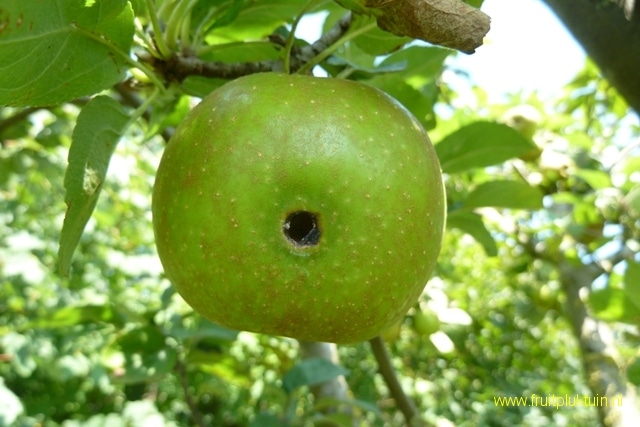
[336, 388]
[404, 402]
[15, 119]
[609, 37]
[177, 68]
[600, 359]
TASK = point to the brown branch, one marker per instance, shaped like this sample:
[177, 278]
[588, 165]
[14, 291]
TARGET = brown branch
[336, 388]
[601, 361]
[179, 67]
[16, 118]
[303, 55]
[600, 358]
[609, 37]
[404, 402]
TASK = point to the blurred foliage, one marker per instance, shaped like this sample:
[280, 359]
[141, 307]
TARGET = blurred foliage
[531, 182]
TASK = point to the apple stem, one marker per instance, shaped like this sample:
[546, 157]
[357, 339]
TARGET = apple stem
[291, 39]
[404, 402]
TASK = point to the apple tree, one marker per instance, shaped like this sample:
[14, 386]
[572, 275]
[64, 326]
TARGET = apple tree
[535, 291]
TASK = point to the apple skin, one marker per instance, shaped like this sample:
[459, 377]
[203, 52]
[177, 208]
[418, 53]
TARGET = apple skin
[267, 145]
[426, 322]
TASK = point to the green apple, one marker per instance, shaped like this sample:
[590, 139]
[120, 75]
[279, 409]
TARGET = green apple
[426, 322]
[300, 206]
[391, 333]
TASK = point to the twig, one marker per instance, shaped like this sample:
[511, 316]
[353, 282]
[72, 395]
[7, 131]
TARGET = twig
[404, 402]
[131, 99]
[177, 68]
[16, 118]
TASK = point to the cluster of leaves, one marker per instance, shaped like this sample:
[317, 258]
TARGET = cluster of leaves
[101, 86]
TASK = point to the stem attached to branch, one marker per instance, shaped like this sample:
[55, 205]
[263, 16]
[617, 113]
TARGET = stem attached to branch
[178, 67]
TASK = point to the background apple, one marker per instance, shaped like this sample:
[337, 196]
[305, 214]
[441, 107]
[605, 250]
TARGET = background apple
[299, 206]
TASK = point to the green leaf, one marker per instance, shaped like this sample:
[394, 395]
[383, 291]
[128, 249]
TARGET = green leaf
[595, 178]
[266, 419]
[472, 224]
[260, 18]
[54, 51]
[505, 194]
[420, 103]
[633, 371]
[309, 372]
[146, 355]
[146, 339]
[422, 63]
[201, 86]
[480, 144]
[375, 41]
[100, 125]
[220, 13]
[619, 302]
[632, 279]
[615, 305]
[70, 316]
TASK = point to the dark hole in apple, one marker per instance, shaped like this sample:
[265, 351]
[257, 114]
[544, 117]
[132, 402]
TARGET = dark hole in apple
[301, 228]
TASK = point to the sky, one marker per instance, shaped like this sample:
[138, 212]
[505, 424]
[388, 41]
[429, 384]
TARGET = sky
[527, 49]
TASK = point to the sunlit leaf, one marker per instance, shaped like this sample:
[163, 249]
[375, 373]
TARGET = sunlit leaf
[596, 179]
[632, 278]
[58, 50]
[421, 63]
[505, 194]
[472, 224]
[619, 302]
[74, 315]
[480, 144]
[260, 18]
[98, 129]
[419, 103]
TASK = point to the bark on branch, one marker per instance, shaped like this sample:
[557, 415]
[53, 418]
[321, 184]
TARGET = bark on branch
[610, 34]
[600, 359]
[179, 67]
[336, 388]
